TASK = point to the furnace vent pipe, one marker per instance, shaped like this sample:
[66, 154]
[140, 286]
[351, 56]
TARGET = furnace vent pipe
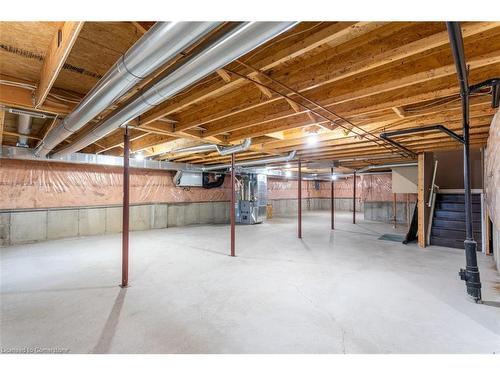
[234, 44]
[233, 149]
[251, 163]
[155, 48]
[23, 128]
[213, 147]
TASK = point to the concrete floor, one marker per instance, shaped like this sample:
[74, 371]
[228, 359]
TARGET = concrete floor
[333, 292]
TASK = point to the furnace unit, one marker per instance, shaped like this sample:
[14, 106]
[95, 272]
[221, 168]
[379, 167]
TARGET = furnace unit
[251, 203]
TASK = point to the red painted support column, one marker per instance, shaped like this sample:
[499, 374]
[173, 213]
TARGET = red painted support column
[299, 200]
[354, 199]
[126, 197]
[233, 202]
[333, 201]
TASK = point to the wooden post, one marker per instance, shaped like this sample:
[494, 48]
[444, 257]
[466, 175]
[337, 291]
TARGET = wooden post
[421, 200]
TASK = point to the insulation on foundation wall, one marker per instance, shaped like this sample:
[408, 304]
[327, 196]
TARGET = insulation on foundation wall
[371, 188]
[34, 184]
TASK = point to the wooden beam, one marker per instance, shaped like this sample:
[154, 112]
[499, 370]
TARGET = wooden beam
[58, 52]
[141, 29]
[224, 75]
[20, 97]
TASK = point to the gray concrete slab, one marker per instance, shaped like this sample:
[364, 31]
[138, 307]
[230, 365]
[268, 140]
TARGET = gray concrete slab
[28, 227]
[176, 214]
[4, 228]
[206, 213]
[62, 223]
[114, 219]
[92, 221]
[160, 216]
[140, 217]
[191, 213]
[221, 212]
[341, 291]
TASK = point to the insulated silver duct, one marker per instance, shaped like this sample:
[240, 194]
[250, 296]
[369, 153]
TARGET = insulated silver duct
[213, 147]
[231, 46]
[155, 48]
[233, 149]
[251, 163]
[23, 128]
[394, 165]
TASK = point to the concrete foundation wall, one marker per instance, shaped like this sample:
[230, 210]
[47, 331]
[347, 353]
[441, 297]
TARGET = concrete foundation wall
[382, 211]
[284, 207]
[26, 226]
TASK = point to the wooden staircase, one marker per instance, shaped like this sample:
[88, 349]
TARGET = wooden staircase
[448, 225]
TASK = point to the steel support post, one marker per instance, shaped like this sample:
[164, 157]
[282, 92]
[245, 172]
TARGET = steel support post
[299, 200]
[126, 207]
[332, 203]
[233, 204]
[354, 198]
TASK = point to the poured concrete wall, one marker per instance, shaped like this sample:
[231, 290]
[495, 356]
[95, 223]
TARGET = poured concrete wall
[285, 207]
[26, 226]
[383, 211]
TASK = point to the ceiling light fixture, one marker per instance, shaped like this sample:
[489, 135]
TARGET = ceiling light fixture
[139, 156]
[312, 139]
[288, 174]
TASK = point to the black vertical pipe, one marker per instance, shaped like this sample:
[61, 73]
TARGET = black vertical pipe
[126, 208]
[299, 201]
[332, 198]
[471, 273]
[354, 198]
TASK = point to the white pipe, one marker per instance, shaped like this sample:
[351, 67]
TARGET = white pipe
[234, 44]
[155, 48]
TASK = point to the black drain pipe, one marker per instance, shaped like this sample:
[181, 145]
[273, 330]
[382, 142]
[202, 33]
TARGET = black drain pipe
[471, 273]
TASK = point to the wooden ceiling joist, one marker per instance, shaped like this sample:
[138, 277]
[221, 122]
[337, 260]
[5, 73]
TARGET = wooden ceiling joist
[54, 59]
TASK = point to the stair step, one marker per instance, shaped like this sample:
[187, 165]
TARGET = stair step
[456, 215]
[447, 206]
[446, 242]
[453, 224]
[476, 198]
[453, 234]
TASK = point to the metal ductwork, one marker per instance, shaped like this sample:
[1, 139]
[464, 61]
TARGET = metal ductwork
[251, 163]
[213, 147]
[23, 128]
[383, 166]
[155, 48]
[234, 44]
[233, 149]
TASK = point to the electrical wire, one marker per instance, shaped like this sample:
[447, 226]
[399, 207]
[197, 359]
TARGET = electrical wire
[314, 109]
